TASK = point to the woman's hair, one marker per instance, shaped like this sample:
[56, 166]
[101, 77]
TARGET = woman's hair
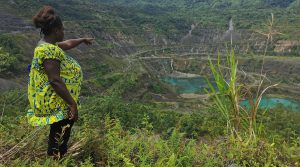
[47, 20]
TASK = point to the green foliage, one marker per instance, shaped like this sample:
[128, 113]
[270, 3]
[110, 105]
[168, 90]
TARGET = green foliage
[10, 55]
[9, 44]
[127, 83]
[145, 149]
[131, 115]
[108, 80]
[6, 61]
[114, 132]
[209, 3]
[226, 95]
[157, 88]
[241, 122]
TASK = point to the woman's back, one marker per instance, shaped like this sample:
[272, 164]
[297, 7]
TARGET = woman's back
[46, 106]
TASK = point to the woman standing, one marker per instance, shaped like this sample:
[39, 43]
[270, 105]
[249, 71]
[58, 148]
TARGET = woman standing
[55, 81]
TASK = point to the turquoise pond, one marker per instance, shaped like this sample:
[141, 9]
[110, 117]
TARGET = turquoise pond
[271, 102]
[199, 84]
[187, 85]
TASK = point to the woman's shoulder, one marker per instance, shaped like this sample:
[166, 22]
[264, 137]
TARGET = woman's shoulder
[48, 51]
[48, 47]
[45, 45]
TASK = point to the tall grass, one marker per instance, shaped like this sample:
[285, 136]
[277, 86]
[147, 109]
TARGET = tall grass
[228, 94]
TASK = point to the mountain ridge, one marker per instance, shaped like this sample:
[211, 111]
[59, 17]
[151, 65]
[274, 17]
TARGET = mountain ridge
[220, 4]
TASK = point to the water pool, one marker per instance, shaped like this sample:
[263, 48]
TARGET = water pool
[199, 84]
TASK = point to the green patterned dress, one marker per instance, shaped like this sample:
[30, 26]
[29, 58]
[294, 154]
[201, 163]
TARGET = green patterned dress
[46, 107]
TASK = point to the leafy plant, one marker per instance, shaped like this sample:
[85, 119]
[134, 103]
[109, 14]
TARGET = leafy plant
[6, 61]
[241, 122]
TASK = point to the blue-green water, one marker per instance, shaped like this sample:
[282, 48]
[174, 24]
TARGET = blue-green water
[187, 85]
[271, 102]
[199, 84]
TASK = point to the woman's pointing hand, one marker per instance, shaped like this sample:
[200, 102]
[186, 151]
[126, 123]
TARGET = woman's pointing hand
[88, 41]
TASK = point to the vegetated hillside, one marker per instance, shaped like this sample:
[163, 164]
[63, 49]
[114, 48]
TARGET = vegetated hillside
[115, 37]
[171, 19]
[123, 28]
[209, 3]
[128, 117]
[113, 131]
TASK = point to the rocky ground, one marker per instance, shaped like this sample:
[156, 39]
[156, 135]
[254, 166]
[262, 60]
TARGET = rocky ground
[13, 24]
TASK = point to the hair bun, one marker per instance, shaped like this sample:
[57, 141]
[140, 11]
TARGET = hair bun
[44, 17]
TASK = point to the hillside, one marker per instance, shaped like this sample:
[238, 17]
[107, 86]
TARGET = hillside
[211, 4]
[146, 99]
[144, 27]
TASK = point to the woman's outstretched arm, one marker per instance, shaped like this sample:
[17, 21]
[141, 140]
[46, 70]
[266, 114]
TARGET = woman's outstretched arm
[72, 43]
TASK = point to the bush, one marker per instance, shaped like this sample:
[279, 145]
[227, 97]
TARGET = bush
[7, 62]
[10, 55]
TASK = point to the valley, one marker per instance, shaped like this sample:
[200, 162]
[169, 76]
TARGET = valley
[145, 96]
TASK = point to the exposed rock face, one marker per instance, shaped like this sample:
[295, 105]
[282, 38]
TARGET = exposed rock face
[287, 70]
[10, 23]
[286, 46]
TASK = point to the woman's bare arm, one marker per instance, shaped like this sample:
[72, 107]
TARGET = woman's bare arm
[52, 69]
[72, 43]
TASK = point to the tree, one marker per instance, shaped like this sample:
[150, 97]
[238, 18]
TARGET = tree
[6, 61]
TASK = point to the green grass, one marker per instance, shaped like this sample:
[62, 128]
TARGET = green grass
[114, 131]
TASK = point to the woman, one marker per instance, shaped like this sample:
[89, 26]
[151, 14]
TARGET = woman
[55, 81]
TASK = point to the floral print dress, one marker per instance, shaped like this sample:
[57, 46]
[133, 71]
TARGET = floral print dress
[47, 107]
